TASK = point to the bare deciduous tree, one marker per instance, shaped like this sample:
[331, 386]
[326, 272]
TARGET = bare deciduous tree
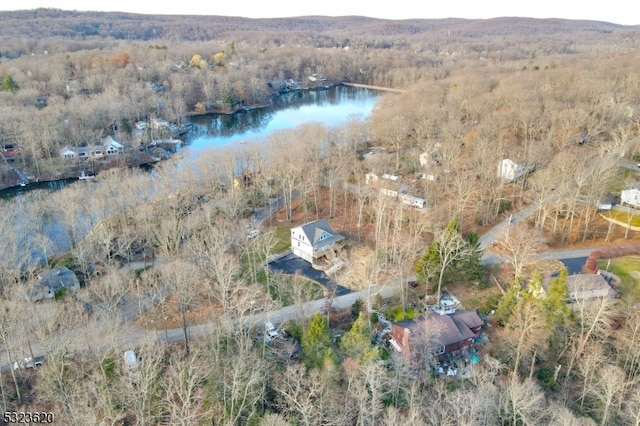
[183, 281]
[530, 332]
[593, 320]
[520, 245]
[184, 396]
[522, 402]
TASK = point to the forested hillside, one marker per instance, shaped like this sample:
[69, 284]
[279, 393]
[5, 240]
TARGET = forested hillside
[45, 23]
[82, 76]
[181, 253]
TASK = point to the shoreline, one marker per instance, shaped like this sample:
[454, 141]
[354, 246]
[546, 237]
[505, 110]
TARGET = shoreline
[235, 110]
[47, 181]
[11, 184]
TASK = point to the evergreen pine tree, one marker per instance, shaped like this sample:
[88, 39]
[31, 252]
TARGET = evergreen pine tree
[356, 343]
[8, 84]
[316, 341]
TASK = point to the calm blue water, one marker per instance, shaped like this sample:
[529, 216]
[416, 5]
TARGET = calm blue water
[331, 107]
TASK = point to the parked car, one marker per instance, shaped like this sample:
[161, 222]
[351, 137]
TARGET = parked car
[271, 330]
[28, 362]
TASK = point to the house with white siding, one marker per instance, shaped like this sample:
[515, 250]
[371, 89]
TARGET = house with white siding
[108, 146]
[315, 240]
[68, 153]
[630, 197]
[510, 170]
[111, 146]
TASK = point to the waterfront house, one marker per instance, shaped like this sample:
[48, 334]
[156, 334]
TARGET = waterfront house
[111, 146]
[68, 153]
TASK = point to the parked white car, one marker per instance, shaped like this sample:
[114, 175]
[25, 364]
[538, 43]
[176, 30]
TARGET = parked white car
[271, 330]
[28, 362]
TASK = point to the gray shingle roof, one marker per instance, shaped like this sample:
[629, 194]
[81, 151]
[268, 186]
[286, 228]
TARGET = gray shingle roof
[314, 232]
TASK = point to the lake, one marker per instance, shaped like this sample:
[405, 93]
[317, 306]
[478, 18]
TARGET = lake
[330, 107]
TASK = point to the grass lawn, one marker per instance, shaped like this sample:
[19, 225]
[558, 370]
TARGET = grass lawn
[628, 269]
[281, 243]
[289, 289]
[618, 184]
[282, 239]
[631, 219]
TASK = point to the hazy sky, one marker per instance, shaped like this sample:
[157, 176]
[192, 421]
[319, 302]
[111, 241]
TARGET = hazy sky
[616, 11]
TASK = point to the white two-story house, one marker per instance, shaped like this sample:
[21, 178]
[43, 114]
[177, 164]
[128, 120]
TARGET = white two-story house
[313, 240]
[631, 197]
[111, 146]
[510, 170]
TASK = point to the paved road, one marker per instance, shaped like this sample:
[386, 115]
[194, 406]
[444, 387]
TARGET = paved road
[490, 259]
[628, 164]
[488, 239]
[131, 336]
[288, 313]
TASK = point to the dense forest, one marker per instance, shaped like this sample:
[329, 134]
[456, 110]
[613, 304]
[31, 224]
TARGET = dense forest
[172, 250]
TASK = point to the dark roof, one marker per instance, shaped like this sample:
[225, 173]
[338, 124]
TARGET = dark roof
[446, 329]
[470, 318]
[57, 278]
[51, 281]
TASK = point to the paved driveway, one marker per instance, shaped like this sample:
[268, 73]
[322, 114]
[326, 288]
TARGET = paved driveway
[293, 265]
[574, 265]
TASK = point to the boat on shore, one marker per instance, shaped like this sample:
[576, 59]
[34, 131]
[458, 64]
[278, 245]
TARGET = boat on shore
[84, 176]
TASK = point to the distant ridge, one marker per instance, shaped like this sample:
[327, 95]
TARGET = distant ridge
[128, 26]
